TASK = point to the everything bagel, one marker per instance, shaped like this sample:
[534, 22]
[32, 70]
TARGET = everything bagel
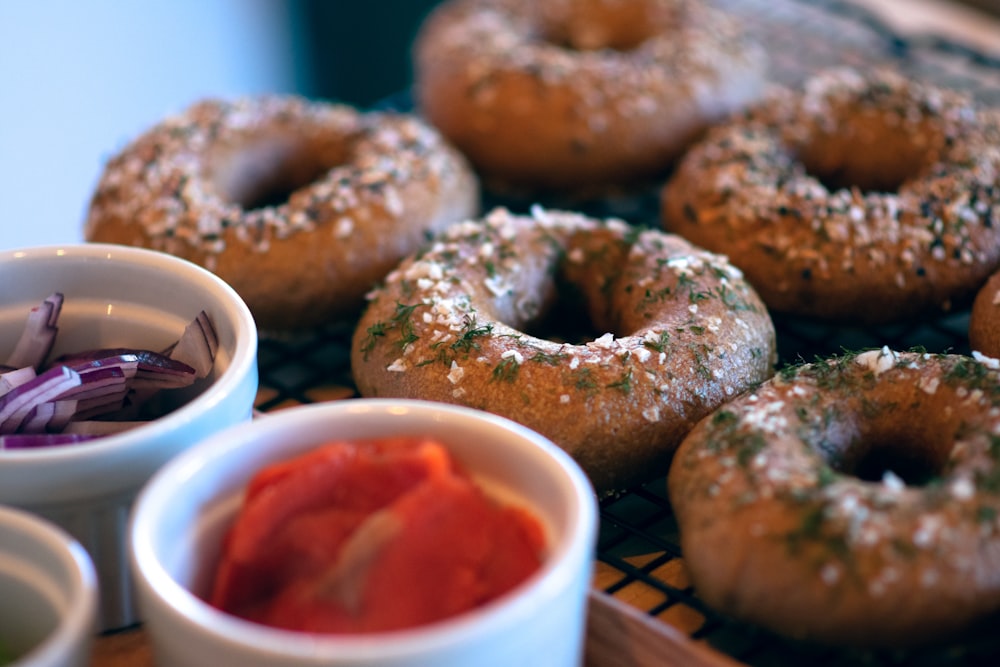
[861, 197]
[563, 95]
[676, 332]
[853, 501]
[301, 206]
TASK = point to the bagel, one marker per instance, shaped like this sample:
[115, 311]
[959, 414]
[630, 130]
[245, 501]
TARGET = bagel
[984, 320]
[579, 96]
[301, 206]
[852, 501]
[864, 198]
[673, 332]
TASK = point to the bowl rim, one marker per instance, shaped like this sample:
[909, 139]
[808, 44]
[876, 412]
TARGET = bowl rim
[77, 623]
[242, 364]
[187, 609]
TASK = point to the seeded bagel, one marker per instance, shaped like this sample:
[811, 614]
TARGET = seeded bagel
[862, 197]
[302, 206]
[853, 501]
[675, 332]
[580, 96]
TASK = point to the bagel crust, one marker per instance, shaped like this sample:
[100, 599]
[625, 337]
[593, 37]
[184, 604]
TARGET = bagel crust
[984, 320]
[862, 198]
[794, 514]
[570, 95]
[301, 206]
[684, 333]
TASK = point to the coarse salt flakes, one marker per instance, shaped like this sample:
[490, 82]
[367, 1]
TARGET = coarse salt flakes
[767, 417]
[606, 341]
[513, 354]
[497, 285]
[892, 482]
[398, 366]
[344, 227]
[989, 362]
[393, 203]
[435, 271]
[539, 213]
[962, 488]
[878, 361]
[440, 336]
[564, 398]
[926, 534]
[456, 373]
[928, 385]
[651, 414]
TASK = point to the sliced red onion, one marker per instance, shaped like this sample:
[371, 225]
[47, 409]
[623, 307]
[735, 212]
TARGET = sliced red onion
[111, 383]
[38, 418]
[99, 382]
[152, 368]
[38, 335]
[48, 386]
[127, 362]
[13, 378]
[147, 359]
[32, 440]
[197, 346]
[64, 411]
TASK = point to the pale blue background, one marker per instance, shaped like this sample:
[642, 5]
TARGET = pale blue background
[78, 78]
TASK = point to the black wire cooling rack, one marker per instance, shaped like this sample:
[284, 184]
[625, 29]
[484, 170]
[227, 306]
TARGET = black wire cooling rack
[638, 557]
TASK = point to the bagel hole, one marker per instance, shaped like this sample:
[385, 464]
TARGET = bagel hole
[565, 318]
[602, 26]
[267, 171]
[596, 38]
[869, 154]
[914, 461]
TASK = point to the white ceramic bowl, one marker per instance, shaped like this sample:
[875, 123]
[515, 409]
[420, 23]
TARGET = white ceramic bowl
[120, 296]
[48, 593]
[181, 515]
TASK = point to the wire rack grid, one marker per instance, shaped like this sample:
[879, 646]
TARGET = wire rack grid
[638, 557]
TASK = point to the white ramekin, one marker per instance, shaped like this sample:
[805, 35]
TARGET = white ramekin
[120, 296]
[180, 517]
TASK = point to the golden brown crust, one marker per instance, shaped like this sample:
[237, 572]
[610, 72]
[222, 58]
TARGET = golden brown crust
[787, 519]
[560, 95]
[685, 334]
[863, 198]
[984, 321]
[356, 192]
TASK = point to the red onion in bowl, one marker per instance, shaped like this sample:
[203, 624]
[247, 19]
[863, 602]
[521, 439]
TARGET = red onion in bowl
[42, 399]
